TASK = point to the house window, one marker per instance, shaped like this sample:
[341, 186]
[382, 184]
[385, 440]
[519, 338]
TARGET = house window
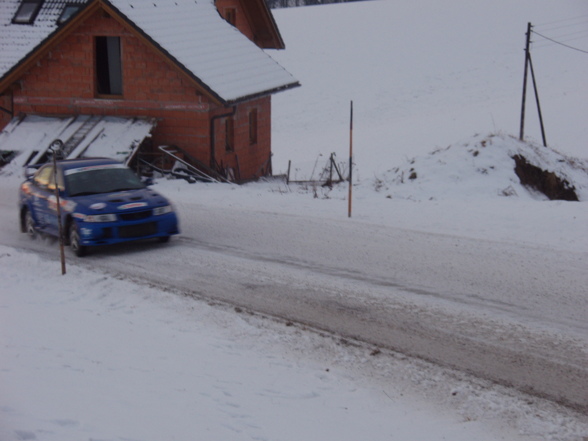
[27, 11]
[231, 16]
[108, 66]
[67, 12]
[229, 135]
[253, 126]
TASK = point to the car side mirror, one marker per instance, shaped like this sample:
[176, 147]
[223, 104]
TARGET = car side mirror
[29, 171]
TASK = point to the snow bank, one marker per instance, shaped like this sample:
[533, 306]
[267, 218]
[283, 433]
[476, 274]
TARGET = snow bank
[481, 167]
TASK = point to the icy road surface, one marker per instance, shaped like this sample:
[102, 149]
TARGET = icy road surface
[505, 312]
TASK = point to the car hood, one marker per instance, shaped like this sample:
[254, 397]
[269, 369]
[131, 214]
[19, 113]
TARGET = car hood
[119, 201]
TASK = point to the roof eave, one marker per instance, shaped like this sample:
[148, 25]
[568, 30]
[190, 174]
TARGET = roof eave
[262, 94]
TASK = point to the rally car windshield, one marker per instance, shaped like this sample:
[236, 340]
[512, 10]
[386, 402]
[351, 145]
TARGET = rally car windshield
[101, 180]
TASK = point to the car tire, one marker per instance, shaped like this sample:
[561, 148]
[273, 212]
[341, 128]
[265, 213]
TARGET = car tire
[163, 239]
[74, 240]
[30, 225]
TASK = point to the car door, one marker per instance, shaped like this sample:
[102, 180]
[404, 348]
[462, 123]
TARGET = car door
[40, 196]
[52, 212]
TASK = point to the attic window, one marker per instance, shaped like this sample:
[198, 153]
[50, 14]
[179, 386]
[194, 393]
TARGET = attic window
[27, 11]
[108, 66]
[67, 12]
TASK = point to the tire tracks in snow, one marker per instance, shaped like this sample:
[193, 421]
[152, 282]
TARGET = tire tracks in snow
[381, 312]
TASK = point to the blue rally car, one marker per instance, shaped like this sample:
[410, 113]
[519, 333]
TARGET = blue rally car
[102, 202]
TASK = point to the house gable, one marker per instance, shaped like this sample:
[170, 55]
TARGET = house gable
[216, 56]
[65, 69]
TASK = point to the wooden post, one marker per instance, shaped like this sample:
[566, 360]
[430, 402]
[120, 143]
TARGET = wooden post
[331, 162]
[350, 160]
[56, 148]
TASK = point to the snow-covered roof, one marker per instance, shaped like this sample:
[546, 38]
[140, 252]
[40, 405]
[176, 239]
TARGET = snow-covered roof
[83, 136]
[19, 40]
[190, 32]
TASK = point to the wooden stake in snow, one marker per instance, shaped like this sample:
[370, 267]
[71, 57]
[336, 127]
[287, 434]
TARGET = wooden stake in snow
[55, 148]
[350, 159]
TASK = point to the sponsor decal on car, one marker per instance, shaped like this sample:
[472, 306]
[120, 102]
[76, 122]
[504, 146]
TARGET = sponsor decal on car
[132, 205]
[65, 204]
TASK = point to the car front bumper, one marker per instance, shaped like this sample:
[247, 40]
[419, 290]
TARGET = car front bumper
[106, 233]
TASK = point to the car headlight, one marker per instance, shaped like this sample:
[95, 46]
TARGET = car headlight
[162, 210]
[100, 218]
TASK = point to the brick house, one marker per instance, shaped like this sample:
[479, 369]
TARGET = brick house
[189, 74]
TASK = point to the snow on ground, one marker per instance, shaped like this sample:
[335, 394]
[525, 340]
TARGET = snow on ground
[88, 357]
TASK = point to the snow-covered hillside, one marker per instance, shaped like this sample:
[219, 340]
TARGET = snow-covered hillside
[425, 75]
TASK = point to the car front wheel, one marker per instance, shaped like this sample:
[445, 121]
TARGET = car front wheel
[74, 241]
[30, 225]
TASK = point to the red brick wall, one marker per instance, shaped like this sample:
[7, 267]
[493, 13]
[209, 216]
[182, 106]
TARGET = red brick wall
[63, 83]
[247, 160]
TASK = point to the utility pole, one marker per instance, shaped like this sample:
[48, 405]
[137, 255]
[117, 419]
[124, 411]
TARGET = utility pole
[537, 101]
[527, 57]
[529, 63]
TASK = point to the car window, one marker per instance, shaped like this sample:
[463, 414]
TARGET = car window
[43, 176]
[51, 185]
[101, 180]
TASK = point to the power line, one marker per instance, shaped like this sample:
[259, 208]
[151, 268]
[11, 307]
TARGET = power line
[575, 34]
[581, 24]
[563, 20]
[561, 39]
[560, 43]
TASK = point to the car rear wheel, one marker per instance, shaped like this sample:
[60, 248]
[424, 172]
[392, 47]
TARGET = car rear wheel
[74, 241]
[30, 225]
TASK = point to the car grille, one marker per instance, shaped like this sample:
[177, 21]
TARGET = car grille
[135, 215]
[139, 230]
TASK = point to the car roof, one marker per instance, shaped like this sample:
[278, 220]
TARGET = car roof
[84, 162]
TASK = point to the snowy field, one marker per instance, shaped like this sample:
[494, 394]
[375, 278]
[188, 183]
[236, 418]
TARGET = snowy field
[88, 356]
[425, 76]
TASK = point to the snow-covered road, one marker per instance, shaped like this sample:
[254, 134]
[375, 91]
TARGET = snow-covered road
[505, 312]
